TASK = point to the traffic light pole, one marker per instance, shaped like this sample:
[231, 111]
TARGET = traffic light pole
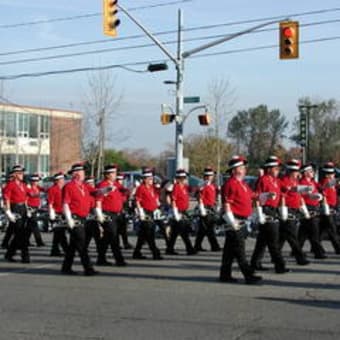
[179, 64]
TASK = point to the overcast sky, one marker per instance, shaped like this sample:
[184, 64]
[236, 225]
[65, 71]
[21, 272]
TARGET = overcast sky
[258, 77]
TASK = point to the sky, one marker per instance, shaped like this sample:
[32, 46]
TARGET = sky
[256, 77]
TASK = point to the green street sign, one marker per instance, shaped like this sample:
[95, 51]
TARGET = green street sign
[191, 100]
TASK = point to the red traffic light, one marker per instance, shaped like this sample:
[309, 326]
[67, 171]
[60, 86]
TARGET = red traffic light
[288, 32]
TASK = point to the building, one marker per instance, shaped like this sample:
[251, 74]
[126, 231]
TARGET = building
[42, 140]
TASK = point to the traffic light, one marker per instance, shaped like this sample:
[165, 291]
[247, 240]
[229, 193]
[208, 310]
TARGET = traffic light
[289, 40]
[110, 20]
[167, 118]
[204, 119]
[303, 129]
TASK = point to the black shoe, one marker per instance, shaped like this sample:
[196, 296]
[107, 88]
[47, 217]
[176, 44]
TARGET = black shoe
[68, 272]
[216, 249]
[10, 259]
[259, 267]
[4, 245]
[121, 263]
[321, 256]
[302, 262]
[90, 272]
[127, 246]
[158, 257]
[228, 279]
[104, 263]
[138, 256]
[41, 244]
[191, 252]
[25, 260]
[56, 254]
[253, 279]
[170, 252]
[198, 249]
[282, 270]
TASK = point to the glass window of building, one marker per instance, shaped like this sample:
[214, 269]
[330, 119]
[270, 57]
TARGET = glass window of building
[2, 123]
[44, 164]
[23, 125]
[33, 126]
[10, 124]
[44, 126]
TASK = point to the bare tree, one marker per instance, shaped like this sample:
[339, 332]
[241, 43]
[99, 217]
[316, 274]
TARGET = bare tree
[102, 100]
[221, 100]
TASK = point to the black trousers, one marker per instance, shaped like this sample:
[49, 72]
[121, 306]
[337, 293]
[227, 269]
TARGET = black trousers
[20, 235]
[309, 230]
[59, 239]
[122, 229]
[8, 235]
[77, 243]
[110, 238]
[206, 227]
[34, 228]
[181, 228]
[146, 234]
[329, 227]
[289, 233]
[92, 232]
[268, 236]
[234, 248]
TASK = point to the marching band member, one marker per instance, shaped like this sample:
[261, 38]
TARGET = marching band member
[328, 189]
[206, 204]
[309, 227]
[181, 224]
[268, 189]
[237, 206]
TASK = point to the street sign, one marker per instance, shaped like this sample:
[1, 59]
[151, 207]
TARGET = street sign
[191, 100]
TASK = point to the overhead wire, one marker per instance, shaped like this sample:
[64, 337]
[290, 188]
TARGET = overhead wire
[189, 29]
[139, 63]
[138, 46]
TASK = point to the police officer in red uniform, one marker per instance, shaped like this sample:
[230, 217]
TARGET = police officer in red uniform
[15, 198]
[108, 208]
[292, 198]
[237, 206]
[309, 227]
[76, 207]
[269, 192]
[33, 204]
[147, 201]
[206, 205]
[181, 224]
[328, 189]
[55, 210]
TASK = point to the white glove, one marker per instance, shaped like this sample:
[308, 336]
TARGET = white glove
[305, 211]
[203, 211]
[141, 214]
[283, 210]
[99, 215]
[228, 216]
[51, 214]
[315, 196]
[260, 215]
[28, 212]
[325, 208]
[157, 214]
[69, 220]
[264, 196]
[177, 215]
[11, 217]
[304, 189]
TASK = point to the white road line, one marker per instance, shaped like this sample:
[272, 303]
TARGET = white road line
[25, 270]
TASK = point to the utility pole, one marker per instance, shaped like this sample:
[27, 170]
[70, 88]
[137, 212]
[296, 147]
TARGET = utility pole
[305, 110]
[179, 64]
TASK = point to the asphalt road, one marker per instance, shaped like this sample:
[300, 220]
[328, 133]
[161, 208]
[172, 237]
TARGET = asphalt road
[177, 298]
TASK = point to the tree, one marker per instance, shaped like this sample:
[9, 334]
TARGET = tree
[101, 103]
[199, 150]
[257, 132]
[220, 101]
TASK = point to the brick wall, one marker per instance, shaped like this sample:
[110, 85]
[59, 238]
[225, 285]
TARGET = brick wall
[65, 143]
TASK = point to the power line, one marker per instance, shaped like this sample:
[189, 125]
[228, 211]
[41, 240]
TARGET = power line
[140, 63]
[138, 36]
[76, 54]
[88, 15]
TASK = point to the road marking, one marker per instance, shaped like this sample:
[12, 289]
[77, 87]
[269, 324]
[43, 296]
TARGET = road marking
[18, 271]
